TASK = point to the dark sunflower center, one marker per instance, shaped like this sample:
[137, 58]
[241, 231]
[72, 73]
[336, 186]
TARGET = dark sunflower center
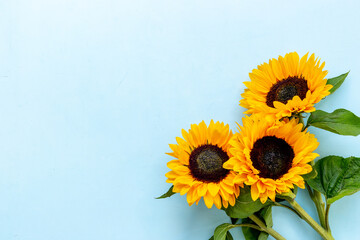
[286, 89]
[272, 156]
[206, 163]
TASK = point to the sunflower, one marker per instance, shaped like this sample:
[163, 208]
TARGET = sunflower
[285, 86]
[271, 157]
[197, 169]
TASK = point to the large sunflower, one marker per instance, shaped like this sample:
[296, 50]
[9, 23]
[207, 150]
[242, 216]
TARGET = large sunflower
[197, 169]
[271, 157]
[284, 86]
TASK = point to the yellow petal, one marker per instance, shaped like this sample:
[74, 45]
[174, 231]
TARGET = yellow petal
[225, 203]
[254, 192]
[217, 201]
[213, 189]
[208, 199]
[263, 198]
[232, 200]
[201, 189]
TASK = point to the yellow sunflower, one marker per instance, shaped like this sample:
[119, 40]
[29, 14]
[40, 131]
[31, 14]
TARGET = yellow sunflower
[271, 157]
[198, 165]
[284, 86]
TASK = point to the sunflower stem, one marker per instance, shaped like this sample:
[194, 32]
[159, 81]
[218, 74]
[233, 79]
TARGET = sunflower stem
[287, 207]
[251, 226]
[264, 228]
[319, 204]
[327, 217]
[301, 120]
[323, 233]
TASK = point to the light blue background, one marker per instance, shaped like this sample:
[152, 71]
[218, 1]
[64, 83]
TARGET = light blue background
[92, 92]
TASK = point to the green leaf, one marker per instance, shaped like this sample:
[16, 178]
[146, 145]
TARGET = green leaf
[169, 193]
[244, 205]
[263, 236]
[253, 234]
[341, 121]
[337, 81]
[229, 236]
[222, 231]
[310, 175]
[266, 214]
[250, 233]
[337, 177]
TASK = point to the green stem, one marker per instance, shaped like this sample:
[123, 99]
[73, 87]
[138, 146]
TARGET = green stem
[327, 217]
[323, 233]
[320, 207]
[264, 228]
[287, 207]
[319, 204]
[250, 226]
[301, 120]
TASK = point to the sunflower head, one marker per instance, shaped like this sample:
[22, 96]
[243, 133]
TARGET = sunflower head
[197, 169]
[285, 86]
[271, 157]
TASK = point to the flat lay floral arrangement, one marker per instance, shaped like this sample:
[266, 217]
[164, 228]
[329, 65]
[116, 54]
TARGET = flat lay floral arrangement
[247, 172]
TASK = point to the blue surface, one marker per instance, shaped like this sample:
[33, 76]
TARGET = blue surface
[92, 92]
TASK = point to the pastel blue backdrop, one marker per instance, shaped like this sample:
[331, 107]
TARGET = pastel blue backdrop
[92, 92]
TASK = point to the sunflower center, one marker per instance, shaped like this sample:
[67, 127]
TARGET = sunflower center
[286, 89]
[206, 163]
[272, 156]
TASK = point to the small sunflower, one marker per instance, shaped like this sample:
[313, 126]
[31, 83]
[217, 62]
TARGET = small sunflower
[284, 86]
[271, 157]
[198, 166]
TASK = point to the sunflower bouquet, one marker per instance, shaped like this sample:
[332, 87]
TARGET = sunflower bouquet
[271, 154]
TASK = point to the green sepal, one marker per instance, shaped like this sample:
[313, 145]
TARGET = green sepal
[336, 82]
[341, 121]
[337, 177]
[169, 193]
[310, 175]
[287, 196]
[295, 190]
[244, 205]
